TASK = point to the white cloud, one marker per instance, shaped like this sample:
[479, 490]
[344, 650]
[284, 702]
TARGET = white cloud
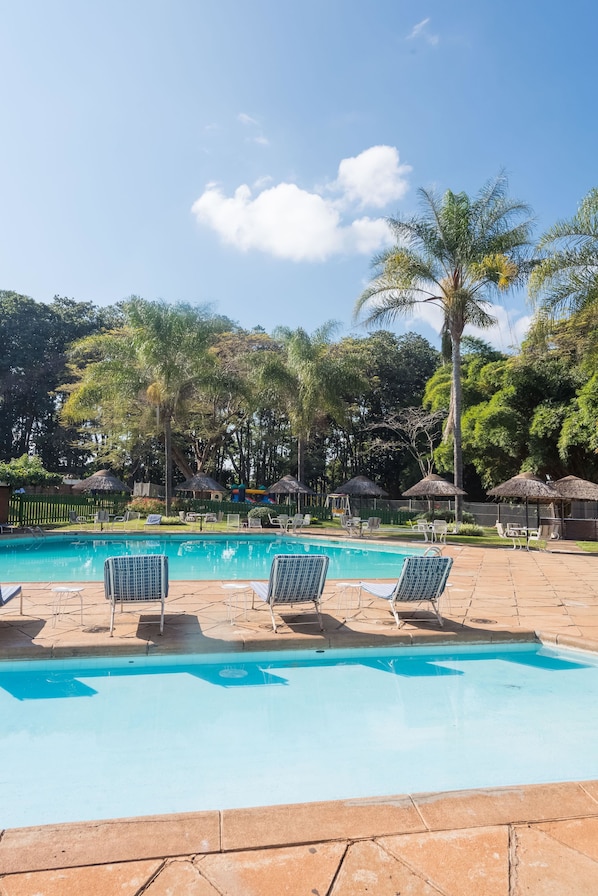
[246, 119]
[287, 221]
[374, 177]
[421, 31]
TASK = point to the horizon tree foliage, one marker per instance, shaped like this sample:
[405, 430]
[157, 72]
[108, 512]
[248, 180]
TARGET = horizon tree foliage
[454, 255]
[395, 370]
[35, 337]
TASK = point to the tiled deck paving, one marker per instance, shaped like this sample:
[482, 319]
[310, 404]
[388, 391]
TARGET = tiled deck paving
[520, 841]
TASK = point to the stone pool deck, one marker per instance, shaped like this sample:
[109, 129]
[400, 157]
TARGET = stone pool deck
[512, 841]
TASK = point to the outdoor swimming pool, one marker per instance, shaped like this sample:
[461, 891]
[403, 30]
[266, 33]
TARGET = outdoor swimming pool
[99, 738]
[80, 558]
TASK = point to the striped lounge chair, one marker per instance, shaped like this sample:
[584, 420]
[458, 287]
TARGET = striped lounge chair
[139, 578]
[7, 592]
[294, 579]
[422, 579]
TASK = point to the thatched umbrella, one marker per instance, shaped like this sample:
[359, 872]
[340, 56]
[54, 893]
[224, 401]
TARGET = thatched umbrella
[200, 483]
[102, 481]
[433, 486]
[288, 485]
[526, 486]
[572, 488]
[361, 487]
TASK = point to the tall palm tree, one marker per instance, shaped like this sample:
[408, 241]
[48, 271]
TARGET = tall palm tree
[453, 255]
[310, 381]
[156, 362]
[566, 278]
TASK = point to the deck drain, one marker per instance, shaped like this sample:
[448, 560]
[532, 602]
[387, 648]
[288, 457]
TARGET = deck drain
[484, 621]
[95, 629]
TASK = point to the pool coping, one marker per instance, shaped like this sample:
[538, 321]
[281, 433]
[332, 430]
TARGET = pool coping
[75, 844]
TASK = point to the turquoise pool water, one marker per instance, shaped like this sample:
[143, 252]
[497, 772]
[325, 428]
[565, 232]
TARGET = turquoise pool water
[105, 738]
[69, 558]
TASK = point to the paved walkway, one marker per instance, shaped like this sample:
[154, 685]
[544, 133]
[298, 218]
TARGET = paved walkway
[534, 840]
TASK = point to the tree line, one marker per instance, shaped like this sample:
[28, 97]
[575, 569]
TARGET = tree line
[159, 391]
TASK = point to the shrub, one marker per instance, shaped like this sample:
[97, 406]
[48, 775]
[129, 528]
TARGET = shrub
[263, 513]
[471, 529]
[146, 505]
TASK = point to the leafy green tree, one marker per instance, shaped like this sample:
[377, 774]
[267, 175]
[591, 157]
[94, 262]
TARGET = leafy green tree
[26, 470]
[455, 254]
[35, 337]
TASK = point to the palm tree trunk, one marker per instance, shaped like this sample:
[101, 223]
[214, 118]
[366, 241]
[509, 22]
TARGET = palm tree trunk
[456, 408]
[300, 466]
[167, 463]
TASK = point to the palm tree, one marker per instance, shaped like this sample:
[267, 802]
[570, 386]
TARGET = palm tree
[156, 362]
[453, 256]
[567, 277]
[310, 381]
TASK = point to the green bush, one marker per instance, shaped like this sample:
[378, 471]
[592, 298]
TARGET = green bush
[471, 529]
[146, 505]
[263, 513]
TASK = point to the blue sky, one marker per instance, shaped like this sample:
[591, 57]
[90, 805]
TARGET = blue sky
[245, 155]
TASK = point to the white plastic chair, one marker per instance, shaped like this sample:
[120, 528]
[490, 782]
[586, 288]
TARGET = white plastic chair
[439, 530]
[233, 520]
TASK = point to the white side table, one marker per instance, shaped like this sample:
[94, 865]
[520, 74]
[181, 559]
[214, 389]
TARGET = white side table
[237, 600]
[63, 593]
[344, 600]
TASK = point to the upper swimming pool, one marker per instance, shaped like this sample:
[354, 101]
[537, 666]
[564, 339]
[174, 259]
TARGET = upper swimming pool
[80, 558]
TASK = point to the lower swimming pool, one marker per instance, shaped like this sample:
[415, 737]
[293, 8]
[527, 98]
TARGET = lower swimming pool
[104, 738]
[80, 558]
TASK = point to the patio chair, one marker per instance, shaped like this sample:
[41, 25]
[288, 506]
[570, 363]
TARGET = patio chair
[153, 519]
[425, 528]
[254, 522]
[101, 517]
[506, 533]
[233, 520]
[126, 517]
[7, 592]
[138, 578]
[540, 536]
[422, 579]
[372, 525]
[294, 579]
[351, 524]
[75, 518]
[300, 520]
[296, 523]
[280, 522]
[439, 530]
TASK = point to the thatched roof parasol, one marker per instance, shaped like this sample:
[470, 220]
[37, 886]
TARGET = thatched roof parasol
[288, 485]
[525, 485]
[572, 488]
[361, 487]
[102, 481]
[433, 486]
[200, 483]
